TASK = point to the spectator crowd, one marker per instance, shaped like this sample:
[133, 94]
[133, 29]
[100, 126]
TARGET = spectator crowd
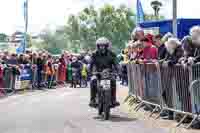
[165, 49]
[45, 68]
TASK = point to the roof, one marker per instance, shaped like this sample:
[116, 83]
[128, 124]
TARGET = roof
[170, 20]
[165, 26]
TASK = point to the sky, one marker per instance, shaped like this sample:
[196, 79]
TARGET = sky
[52, 13]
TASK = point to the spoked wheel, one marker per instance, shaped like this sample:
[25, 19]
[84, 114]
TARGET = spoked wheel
[100, 103]
[106, 107]
[106, 115]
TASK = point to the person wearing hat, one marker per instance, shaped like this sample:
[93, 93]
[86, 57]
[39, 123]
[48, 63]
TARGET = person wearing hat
[150, 52]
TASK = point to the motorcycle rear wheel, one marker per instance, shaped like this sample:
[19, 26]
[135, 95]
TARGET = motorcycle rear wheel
[100, 109]
[107, 114]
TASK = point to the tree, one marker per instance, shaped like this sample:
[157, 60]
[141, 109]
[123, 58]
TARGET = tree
[54, 42]
[3, 37]
[116, 24]
[156, 5]
[83, 29]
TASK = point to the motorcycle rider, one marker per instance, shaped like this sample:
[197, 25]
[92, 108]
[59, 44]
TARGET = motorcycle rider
[102, 58]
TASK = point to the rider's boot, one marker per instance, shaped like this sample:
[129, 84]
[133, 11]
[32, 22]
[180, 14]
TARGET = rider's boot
[93, 92]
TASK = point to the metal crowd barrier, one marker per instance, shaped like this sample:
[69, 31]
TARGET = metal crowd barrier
[174, 88]
[7, 81]
[28, 78]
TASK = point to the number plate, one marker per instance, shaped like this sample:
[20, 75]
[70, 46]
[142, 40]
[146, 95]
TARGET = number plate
[105, 84]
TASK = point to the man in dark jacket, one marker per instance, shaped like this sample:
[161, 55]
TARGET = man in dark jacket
[76, 71]
[174, 52]
[191, 46]
[40, 67]
[161, 47]
[102, 59]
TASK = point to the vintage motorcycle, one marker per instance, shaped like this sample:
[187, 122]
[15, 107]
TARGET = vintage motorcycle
[104, 97]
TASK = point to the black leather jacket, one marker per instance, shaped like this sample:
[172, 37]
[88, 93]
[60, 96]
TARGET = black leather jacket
[103, 61]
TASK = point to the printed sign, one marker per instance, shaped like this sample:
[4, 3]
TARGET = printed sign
[26, 74]
[153, 30]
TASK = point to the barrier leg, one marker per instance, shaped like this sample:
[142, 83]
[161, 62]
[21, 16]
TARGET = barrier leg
[158, 116]
[189, 125]
[154, 110]
[127, 98]
[181, 120]
[137, 108]
[131, 102]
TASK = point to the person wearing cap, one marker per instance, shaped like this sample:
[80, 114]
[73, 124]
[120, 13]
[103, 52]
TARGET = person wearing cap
[150, 52]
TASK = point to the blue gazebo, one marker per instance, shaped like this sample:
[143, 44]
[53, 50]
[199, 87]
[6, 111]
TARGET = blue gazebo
[164, 26]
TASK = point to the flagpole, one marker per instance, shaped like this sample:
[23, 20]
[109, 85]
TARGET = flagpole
[174, 8]
[26, 24]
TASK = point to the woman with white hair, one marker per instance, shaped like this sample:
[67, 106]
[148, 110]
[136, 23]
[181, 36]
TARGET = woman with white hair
[191, 46]
[174, 51]
[137, 34]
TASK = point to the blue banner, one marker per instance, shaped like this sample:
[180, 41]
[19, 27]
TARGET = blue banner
[140, 12]
[26, 73]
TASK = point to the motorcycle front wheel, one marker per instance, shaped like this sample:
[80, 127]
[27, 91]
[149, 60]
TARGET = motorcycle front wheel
[107, 105]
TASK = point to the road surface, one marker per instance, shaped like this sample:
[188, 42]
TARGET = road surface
[64, 110]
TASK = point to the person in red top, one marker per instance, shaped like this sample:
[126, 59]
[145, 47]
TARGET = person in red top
[62, 70]
[150, 55]
[150, 52]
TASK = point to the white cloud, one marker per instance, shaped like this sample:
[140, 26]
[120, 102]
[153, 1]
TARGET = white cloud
[54, 12]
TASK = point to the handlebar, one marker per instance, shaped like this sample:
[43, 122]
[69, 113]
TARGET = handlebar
[101, 73]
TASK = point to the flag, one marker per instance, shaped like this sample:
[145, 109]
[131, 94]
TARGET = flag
[140, 12]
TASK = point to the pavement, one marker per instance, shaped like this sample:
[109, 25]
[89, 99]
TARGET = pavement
[66, 110]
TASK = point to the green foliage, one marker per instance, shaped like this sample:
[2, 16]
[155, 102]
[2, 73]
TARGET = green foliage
[52, 42]
[83, 29]
[114, 23]
[3, 37]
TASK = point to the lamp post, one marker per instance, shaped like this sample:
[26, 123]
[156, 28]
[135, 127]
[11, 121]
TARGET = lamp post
[174, 8]
[156, 5]
[26, 24]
